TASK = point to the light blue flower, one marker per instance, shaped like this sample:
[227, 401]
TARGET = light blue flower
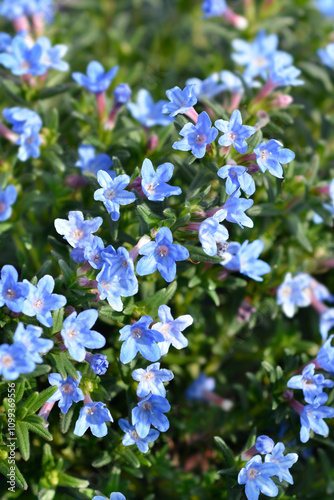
[40, 300]
[269, 156]
[22, 118]
[197, 137]
[282, 73]
[122, 93]
[113, 193]
[68, 391]
[147, 112]
[151, 380]
[92, 252]
[256, 476]
[172, 329]
[112, 286]
[325, 356]
[51, 56]
[312, 418]
[113, 496]
[77, 333]
[202, 384]
[77, 231]
[140, 338]
[244, 258]
[237, 177]
[24, 59]
[97, 79]
[14, 360]
[311, 384]
[95, 416]
[12, 293]
[326, 7]
[284, 462]
[257, 56]
[234, 132]
[154, 183]
[131, 436]
[213, 235]
[180, 100]
[264, 444]
[326, 322]
[7, 199]
[213, 8]
[30, 337]
[233, 83]
[29, 142]
[294, 292]
[210, 87]
[161, 255]
[92, 163]
[98, 363]
[150, 411]
[236, 208]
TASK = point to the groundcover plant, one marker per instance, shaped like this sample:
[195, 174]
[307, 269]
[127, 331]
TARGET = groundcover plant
[166, 247]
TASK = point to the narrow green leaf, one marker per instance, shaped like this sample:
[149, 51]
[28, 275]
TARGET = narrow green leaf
[196, 254]
[22, 435]
[73, 482]
[227, 452]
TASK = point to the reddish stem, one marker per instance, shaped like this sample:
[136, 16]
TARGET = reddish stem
[224, 404]
[239, 22]
[192, 114]
[318, 306]
[265, 91]
[8, 134]
[101, 104]
[235, 101]
[21, 24]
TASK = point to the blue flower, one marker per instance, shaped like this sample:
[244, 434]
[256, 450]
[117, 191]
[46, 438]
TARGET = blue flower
[23, 59]
[212, 235]
[321, 292]
[326, 7]
[14, 360]
[131, 436]
[282, 73]
[113, 193]
[284, 462]
[12, 293]
[147, 112]
[180, 100]
[113, 496]
[22, 118]
[312, 385]
[29, 142]
[154, 183]
[213, 8]
[244, 258]
[172, 329]
[89, 162]
[196, 137]
[233, 83]
[112, 286]
[150, 411]
[151, 380]
[12, 10]
[93, 251]
[237, 177]
[256, 476]
[122, 93]
[76, 231]
[41, 301]
[235, 132]
[140, 338]
[202, 384]
[161, 255]
[294, 292]
[5, 42]
[98, 363]
[264, 444]
[269, 156]
[95, 416]
[256, 56]
[236, 208]
[97, 80]
[210, 87]
[51, 56]
[312, 418]
[68, 391]
[7, 199]
[30, 337]
[77, 333]
[325, 356]
[326, 323]
[120, 264]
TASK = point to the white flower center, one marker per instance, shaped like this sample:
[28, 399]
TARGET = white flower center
[71, 332]
[232, 136]
[252, 473]
[77, 234]
[10, 294]
[2, 207]
[200, 139]
[67, 388]
[162, 250]
[110, 194]
[264, 155]
[7, 360]
[137, 333]
[37, 304]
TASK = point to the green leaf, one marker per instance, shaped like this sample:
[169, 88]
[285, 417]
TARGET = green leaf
[35, 424]
[65, 420]
[68, 273]
[48, 92]
[129, 457]
[163, 296]
[146, 213]
[58, 318]
[22, 435]
[19, 479]
[73, 482]
[36, 400]
[196, 254]
[227, 452]
[104, 459]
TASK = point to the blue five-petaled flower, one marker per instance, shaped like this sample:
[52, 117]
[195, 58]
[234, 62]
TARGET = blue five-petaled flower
[197, 137]
[269, 156]
[154, 183]
[140, 338]
[234, 132]
[113, 193]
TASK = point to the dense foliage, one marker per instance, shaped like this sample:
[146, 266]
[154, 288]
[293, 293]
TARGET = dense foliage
[239, 333]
